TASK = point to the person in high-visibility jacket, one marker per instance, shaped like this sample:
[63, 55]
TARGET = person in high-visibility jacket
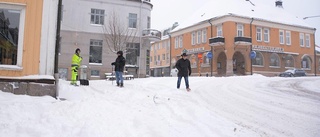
[76, 61]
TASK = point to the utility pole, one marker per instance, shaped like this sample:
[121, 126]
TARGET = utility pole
[56, 56]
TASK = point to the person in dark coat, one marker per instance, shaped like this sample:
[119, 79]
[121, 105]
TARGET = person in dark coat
[119, 68]
[184, 67]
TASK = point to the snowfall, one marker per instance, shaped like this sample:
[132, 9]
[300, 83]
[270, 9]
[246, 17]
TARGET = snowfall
[236, 106]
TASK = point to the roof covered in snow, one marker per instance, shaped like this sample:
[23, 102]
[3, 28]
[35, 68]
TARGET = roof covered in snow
[259, 9]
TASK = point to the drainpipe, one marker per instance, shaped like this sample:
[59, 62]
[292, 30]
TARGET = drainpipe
[211, 48]
[315, 53]
[170, 52]
[56, 56]
[251, 44]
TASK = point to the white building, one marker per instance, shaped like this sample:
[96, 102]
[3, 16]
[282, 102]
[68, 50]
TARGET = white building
[85, 24]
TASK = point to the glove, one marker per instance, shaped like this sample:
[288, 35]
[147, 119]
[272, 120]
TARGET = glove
[113, 63]
[189, 73]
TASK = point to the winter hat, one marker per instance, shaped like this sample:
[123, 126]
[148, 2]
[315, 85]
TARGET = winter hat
[184, 54]
[120, 52]
[77, 50]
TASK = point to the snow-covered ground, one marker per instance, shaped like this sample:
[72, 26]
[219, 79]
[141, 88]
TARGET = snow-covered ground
[243, 106]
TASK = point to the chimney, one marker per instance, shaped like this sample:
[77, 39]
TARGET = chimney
[279, 4]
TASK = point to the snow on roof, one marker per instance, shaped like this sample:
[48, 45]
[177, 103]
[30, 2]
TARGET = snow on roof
[262, 9]
[318, 48]
[30, 77]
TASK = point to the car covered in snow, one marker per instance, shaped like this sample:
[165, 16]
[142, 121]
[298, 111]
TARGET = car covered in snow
[293, 73]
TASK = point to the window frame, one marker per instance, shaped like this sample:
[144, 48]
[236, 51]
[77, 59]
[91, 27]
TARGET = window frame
[266, 35]
[301, 39]
[22, 9]
[204, 36]
[219, 31]
[193, 38]
[281, 37]
[134, 20]
[95, 45]
[240, 31]
[307, 41]
[96, 15]
[288, 38]
[259, 34]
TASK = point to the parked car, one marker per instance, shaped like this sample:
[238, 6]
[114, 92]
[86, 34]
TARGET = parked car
[174, 72]
[293, 73]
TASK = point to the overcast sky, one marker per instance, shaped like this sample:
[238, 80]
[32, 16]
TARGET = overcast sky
[166, 12]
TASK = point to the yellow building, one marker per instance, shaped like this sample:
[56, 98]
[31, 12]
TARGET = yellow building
[27, 46]
[278, 40]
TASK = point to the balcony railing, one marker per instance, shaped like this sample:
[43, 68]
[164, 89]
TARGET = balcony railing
[242, 41]
[151, 34]
[217, 41]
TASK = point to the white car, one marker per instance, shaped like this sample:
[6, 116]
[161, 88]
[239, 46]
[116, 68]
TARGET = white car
[174, 72]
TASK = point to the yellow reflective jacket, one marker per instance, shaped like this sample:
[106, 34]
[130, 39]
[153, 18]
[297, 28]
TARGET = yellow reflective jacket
[76, 60]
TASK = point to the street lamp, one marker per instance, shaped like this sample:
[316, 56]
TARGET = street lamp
[311, 17]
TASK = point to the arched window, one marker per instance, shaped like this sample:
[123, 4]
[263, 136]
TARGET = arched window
[274, 60]
[258, 60]
[289, 61]
[306, 62]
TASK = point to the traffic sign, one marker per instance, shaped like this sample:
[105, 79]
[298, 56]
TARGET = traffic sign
[209, 55]
[253, 54]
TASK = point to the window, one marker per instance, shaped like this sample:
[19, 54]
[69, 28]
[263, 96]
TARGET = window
[193, 38]
[97, 16]
[204, 36]
[266, 35]
[288, 37]
[274, 60]
[258, 60]
[133, 20]
[11, 38]
[180, 42]
[239, 30]
[155, 60]
[151, 48]
[281, 37]
[219, 31]
[301, 40]
[308, 40]
[306, 62]
[150, 59]
[132, 52]
[289, 61]
[95, 73]
[167, 59]
[95, 51]
[163, 56]
[149, 22]
[199, 37]
[259, 35]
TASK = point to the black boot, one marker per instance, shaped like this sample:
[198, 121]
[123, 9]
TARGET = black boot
[118, 84]
[121, 84]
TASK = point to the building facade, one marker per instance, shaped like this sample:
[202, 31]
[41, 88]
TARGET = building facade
[27, 46]
[243, 45]
[88, 24]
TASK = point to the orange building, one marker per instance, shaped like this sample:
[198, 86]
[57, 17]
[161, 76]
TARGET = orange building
[27, 46]
[276, 41]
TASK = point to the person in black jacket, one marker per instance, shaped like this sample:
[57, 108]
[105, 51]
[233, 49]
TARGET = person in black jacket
[119, 67]
[184, 67]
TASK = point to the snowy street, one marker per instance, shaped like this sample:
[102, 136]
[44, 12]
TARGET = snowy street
[242, 106]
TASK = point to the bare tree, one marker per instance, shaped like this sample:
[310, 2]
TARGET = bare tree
[118, 34]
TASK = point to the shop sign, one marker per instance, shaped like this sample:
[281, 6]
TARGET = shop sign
[267, 48]
[195, 50]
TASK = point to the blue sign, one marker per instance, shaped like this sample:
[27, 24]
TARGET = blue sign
[253, 54]
[209, 55]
